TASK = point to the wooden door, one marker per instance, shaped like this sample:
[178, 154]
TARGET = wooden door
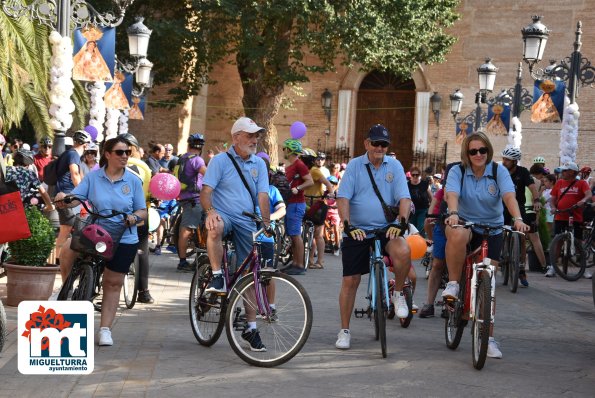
[395, 110]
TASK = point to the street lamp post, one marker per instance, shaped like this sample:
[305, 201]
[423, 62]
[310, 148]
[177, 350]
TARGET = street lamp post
[436, 101]
[60, 15]
[327, 100]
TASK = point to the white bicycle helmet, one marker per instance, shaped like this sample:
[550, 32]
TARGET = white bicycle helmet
[512, 153]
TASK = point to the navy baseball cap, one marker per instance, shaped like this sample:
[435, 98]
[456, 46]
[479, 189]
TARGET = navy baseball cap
[378, 133]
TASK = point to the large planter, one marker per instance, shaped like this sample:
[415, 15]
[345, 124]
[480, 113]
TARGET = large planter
[29, 283]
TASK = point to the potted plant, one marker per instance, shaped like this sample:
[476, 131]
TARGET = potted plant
[29, 276]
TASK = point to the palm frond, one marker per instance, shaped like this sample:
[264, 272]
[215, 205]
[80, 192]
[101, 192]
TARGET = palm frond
[80, 97]
[37, 112]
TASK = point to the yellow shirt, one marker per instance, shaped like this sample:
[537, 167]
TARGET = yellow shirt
[145, 174]
[318, 188]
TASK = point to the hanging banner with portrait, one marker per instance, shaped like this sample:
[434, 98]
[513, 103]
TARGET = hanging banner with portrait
[463, 129]
[114, 97]
[548, 101]
[137, 109]
[94, 52]
[498, 119]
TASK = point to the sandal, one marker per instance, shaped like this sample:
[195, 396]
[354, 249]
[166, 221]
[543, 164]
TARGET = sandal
[316, 266]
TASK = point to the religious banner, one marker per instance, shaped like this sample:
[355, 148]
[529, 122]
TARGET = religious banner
[463, 130]
[498, 119]
[548, 101]
[137, 109]
[114, 97]
[94, 50]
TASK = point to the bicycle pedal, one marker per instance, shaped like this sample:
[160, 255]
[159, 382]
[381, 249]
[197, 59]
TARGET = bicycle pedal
[360, 313]
[414, 311]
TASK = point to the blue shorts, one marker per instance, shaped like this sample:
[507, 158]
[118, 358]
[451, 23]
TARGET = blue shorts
[293, 218]
[439, 248]
[242, 237]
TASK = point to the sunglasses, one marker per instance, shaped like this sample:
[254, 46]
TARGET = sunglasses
[483, 150]
[415, 175]
[46, 146]
[94, 153]
[382, 144]
[121, 152]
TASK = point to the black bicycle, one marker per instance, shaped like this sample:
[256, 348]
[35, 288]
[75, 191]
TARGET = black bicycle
[567, 253]
[510, 261]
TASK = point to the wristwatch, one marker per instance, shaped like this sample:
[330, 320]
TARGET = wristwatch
[137, 219]
[515, 219]
[453, 213]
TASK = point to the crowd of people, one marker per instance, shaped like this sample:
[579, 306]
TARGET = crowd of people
[371, 192]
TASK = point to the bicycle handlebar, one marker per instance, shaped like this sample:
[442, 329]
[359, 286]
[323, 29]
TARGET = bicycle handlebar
[71, 198]
[571, 208]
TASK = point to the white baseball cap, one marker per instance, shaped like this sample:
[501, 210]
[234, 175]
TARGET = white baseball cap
[570, 166]
[246, 124]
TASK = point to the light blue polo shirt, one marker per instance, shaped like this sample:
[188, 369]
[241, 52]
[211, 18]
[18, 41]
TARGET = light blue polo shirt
[481, 200]
[125, 195]
[230, 196]
[365, 210]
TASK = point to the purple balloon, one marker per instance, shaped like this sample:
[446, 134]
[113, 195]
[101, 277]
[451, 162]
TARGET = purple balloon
[92, 132]
[297, 130]
[264, 156]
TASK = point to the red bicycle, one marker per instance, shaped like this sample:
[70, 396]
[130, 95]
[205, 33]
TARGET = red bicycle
[476, 299]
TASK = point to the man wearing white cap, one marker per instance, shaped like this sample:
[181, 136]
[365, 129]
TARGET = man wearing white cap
[224, 196]
[568, 192]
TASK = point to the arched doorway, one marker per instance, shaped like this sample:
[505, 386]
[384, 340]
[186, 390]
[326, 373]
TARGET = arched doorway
[385, 99]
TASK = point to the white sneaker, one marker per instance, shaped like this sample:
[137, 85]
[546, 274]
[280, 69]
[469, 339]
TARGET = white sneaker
[414, 306]
[105, 337]
[551, 272]
[401, 305]
[588, 275]
[337, 252]
[451, 291]
[494, 349]
[343, 339]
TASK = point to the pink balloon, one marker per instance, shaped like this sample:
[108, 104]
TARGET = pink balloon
[297, 130]
[164, 186]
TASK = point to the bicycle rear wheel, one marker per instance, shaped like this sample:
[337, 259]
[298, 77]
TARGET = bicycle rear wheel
[283, 332]
[79, 284]
[206, 309]
[569, 263]
[3, 326]
[131, 280]
[480, 333]
[381, 310]
[514, 262]
[408, 294]
[505, 259]
[454, 324]
[308, 237]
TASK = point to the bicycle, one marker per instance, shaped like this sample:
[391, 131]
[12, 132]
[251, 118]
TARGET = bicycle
[567, 254]
[378, 292]
[308, 234]
[3, 320]
[96, 238]
[131, 283]
[408, 294]
[510, 261]
[282, 245]
[284, 328]
[475, 301]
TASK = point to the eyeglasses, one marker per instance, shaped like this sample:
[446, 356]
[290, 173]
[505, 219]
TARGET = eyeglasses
[483, 150]
[168, 150]
[415, 175]
[94, 153]
[121, 152]
[382, 144]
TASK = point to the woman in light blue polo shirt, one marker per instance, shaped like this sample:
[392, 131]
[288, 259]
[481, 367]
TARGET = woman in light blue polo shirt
[476, 192]
[111, 187]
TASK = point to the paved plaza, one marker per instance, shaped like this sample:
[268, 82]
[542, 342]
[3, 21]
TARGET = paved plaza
[546, 331]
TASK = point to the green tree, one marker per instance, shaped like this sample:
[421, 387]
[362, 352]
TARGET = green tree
[24, 72]
[277, 43]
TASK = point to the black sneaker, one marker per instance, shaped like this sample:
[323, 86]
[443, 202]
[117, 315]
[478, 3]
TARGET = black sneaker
[145, 297]
[253, 338]
[427, 311]
[217, 284]
[185, 266]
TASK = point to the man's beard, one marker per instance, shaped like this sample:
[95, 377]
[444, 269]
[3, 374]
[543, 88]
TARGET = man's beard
[248, 149]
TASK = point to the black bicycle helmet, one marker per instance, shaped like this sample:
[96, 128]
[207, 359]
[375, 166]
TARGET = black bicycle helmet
[23, 157]
[320, 155]
[196, 140]
[131, 139]
[82, 137]
[46, 141]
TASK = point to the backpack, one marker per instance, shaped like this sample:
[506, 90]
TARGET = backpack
[50, 171]
[188, 183]
[279, 180]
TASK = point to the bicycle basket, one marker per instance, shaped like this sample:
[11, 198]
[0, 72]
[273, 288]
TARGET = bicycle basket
[96, 236]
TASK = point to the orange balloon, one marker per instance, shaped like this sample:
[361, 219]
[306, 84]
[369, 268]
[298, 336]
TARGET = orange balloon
[418, 246]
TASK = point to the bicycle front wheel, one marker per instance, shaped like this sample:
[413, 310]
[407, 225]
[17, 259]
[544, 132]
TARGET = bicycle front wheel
[380, 312]
[455, 324]
[308, 236]
[79, 284]
[206, 309]
[514, 258]
[131, 280]
[283, 331]
[480, 333]
[568, 262]
[408, 294]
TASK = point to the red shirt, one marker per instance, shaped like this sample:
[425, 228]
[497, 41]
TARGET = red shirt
[439, 196]
[40, 162]
[295, 175]
[570, 198]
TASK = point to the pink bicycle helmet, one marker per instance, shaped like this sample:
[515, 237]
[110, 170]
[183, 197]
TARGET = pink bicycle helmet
[101, 240]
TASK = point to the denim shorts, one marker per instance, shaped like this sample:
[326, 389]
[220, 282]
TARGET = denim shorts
[439, 248]
[293, 218]
[242, 237]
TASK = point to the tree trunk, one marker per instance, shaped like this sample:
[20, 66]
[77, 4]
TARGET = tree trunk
[262, 104]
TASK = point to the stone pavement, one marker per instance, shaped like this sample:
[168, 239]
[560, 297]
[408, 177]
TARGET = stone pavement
[547, 335]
